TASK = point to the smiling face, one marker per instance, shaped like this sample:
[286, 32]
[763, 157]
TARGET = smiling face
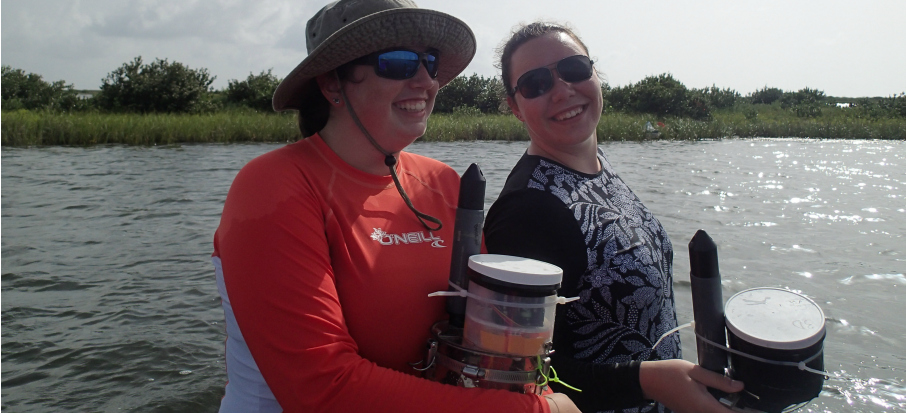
[395, 112]
[567, 115]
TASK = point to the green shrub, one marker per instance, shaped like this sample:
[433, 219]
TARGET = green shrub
[807, 110]
[718, 98]
[805, 103]
[660, 95]
[22, 90]
[474, 91]
[765, 96]
[749, 112]
[893, 106]
[803, 96]
[160, 86]
[256, 91]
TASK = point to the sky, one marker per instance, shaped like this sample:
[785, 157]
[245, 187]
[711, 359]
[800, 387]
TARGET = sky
[844, 48]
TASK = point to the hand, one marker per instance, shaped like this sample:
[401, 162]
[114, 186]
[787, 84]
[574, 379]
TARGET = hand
[682, 386]
[560, 403]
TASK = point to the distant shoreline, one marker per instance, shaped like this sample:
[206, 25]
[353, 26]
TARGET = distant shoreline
[25, 128]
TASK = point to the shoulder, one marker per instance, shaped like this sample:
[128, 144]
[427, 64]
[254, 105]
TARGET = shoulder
[430, 174]
[266, 167]
[535, 224]
[282, 160]
[425, 166]
[523, 198]
[273, 177]
[520, 176]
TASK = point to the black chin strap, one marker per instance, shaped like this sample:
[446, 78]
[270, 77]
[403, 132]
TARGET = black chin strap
[390, 161]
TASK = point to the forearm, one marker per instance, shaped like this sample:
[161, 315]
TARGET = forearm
[604, 386]
[682, 386]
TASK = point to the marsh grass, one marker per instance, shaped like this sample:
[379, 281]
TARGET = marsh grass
[25, 128]
[455, 127]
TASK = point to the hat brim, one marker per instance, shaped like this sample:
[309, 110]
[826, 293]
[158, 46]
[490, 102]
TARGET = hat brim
[403, 27]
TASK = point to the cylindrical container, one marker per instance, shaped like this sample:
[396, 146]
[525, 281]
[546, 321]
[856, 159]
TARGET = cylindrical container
[778, 326]
[510, 309]
[453, 362]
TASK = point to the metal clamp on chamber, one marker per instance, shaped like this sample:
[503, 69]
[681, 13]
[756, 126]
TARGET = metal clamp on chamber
[449, 361]
[505, 342]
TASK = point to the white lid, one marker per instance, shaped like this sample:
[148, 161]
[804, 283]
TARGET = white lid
[775, 318]
[516, 270]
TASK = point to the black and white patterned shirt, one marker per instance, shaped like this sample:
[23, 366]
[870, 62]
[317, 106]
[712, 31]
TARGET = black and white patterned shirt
[615, 256]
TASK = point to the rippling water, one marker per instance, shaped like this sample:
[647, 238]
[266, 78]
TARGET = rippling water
[109, 301]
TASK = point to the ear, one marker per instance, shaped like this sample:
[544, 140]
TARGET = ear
[514, 107]
[330, 86]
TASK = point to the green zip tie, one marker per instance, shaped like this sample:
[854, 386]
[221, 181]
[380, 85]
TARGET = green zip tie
[553, 378]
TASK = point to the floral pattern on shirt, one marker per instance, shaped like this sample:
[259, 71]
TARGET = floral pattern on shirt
[626, 293]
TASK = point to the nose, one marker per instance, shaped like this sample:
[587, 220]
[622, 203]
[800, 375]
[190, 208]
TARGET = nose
[561, 90]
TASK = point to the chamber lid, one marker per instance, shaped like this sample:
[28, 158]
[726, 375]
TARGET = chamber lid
[516, 270]
[775, 318]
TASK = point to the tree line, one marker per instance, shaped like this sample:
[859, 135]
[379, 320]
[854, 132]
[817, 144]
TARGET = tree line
[162, 86]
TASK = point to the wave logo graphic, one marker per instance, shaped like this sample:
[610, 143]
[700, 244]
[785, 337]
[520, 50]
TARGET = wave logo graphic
[417, 237]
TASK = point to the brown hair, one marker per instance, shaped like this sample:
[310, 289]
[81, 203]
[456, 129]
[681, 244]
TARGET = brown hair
[521, 34]
[313, 115]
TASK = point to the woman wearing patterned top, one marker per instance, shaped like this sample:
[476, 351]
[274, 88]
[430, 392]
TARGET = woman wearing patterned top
[563, 203]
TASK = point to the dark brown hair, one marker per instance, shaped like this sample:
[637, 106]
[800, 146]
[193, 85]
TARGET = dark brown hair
[314, 114]
[522, 34]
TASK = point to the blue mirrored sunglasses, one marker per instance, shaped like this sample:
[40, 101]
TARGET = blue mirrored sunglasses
[401, 64]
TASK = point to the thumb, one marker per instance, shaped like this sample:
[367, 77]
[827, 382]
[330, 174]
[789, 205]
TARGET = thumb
[715, 380]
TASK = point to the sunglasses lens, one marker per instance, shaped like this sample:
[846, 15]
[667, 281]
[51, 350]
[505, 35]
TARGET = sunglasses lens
[431, 63]
[398, 64]
[575, 68]
[535, 83]
[403, 64]
[538, 81]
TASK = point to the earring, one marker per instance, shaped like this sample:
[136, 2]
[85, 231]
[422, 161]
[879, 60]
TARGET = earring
[336, 100]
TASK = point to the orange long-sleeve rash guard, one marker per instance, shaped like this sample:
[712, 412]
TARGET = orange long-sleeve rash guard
[328, 271]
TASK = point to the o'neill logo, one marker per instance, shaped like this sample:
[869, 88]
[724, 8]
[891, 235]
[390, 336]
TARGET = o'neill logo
[407, 238]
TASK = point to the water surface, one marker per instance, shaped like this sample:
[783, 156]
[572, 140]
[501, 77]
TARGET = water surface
[109, 301]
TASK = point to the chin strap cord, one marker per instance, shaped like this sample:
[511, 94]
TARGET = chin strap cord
[390, 161]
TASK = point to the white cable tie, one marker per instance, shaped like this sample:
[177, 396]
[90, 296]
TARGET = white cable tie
[448, 294]
[801, 365]
[564, 300]
[460, 292]
[671, 332]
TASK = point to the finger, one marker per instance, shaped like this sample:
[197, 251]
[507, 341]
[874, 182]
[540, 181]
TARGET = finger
[711, 405]
[714, 380]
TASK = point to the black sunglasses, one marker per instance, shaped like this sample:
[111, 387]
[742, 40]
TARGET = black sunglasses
[537, 82]
[401, 64]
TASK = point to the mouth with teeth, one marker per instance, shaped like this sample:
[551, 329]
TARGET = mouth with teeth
[411, 105]
[569, 114]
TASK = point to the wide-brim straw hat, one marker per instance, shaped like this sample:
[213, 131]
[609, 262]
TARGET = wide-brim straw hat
[348, 29]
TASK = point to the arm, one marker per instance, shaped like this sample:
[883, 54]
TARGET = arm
[681, 386]
[279, 272]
